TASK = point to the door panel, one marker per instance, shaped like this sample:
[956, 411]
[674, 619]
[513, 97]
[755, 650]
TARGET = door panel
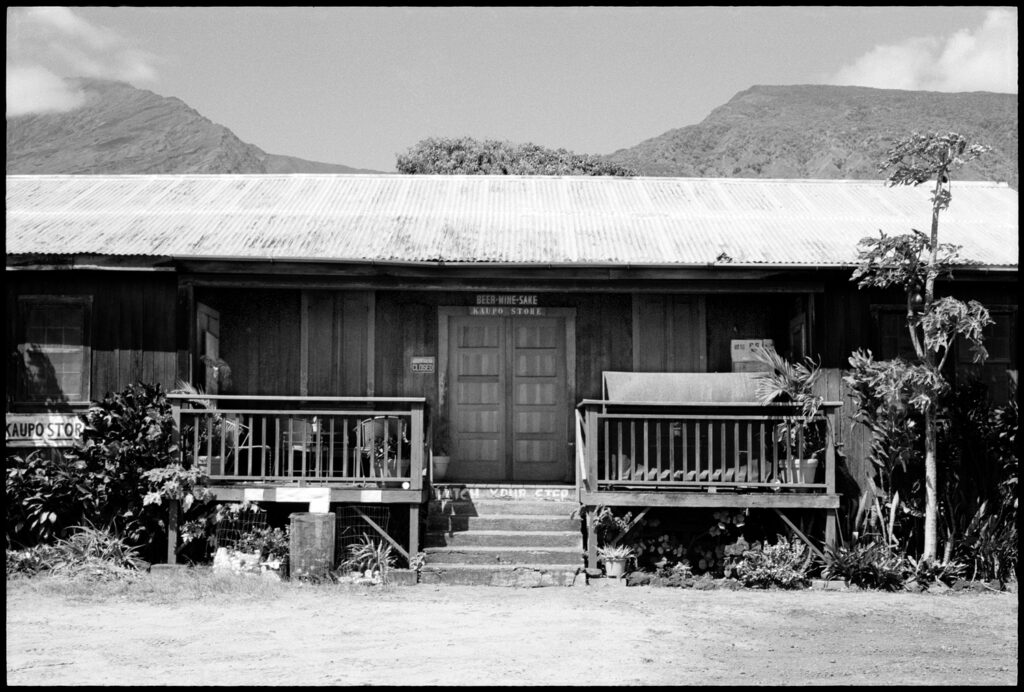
[508, 408]
[539, 408]
[477, 409]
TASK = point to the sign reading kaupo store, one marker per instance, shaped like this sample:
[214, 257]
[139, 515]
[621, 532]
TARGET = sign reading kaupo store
[43, 429]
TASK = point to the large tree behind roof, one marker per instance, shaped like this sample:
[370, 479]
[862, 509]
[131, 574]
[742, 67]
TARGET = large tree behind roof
[468, 156]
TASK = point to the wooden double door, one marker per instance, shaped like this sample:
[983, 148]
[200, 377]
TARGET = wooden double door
[510, 396]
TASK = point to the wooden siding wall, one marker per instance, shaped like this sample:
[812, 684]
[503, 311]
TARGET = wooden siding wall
[259, 339]
[604, 339]
[133, 323]
[671, 333]
[337, 342]
[745, 317]
[406, 326]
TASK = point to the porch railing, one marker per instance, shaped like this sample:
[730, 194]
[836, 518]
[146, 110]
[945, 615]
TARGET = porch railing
[705, 446]
[376, 441]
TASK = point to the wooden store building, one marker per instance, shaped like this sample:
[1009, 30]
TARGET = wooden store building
[585, 335]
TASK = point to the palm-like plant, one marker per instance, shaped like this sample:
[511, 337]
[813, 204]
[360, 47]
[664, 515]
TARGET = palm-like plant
[788, 382]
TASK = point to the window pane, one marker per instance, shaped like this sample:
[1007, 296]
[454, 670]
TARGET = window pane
[53, 352]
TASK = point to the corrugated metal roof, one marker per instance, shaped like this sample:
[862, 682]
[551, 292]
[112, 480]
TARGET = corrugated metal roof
[604, 221]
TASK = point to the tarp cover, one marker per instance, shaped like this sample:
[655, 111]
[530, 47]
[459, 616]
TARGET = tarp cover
[680, 387]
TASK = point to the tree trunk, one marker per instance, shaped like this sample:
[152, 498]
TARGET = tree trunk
[931, 514]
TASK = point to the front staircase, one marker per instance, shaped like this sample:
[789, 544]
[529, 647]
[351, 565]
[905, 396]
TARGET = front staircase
[503, 535]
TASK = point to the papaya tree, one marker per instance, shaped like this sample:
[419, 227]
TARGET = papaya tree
[914, 262]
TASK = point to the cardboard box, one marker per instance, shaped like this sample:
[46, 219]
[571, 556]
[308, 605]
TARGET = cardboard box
[741, 349]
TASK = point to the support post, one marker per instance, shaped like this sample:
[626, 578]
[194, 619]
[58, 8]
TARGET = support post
[591, 538]
[172, 532]
[414, 529]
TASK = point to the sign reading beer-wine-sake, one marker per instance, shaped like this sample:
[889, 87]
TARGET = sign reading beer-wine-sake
[515, 304]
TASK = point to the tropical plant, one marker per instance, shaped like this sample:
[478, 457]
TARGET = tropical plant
[793, 383]
[615, 552]
[913, 262]
[869, 565]
[45, 494]
[272, 544]
[198, 437]
[101, 480]
[372, 556]
[927, 572]
[782, 564]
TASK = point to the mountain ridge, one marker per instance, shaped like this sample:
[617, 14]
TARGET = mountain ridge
[123, 129]
[823, 131]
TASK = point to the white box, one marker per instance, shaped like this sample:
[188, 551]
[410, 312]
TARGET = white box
[741, 349]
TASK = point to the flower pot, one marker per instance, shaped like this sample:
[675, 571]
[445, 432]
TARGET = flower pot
[802, 470]
[441, 467]
[615, 567]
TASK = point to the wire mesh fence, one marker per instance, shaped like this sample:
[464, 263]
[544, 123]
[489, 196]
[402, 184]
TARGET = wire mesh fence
[351, 526]
[236, 524]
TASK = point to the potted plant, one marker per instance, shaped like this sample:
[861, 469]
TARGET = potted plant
[794, 383]
[614, 558]
[210, 435]
[440, 449]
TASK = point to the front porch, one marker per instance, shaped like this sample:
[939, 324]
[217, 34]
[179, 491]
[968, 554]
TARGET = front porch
[319, 451]
[688, 440]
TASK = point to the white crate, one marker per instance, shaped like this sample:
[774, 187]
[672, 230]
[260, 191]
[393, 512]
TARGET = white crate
[742, 349]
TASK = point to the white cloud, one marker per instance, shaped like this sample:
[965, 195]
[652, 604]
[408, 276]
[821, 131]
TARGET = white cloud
[984, 59]
[34, 89]
[47, 43]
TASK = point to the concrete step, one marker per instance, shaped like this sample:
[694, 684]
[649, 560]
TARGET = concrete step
[502, 522]
[485, 507]
[525, 575]
[509, 555]
[538, 539]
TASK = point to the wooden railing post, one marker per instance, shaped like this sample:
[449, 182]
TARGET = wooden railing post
[830, 477]
[417, 442]
[590, 484]
[176, 430]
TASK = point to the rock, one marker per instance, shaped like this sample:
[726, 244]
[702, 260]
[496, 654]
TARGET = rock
[913, 586]
[639, 578]
[938, 587]
[961, 585]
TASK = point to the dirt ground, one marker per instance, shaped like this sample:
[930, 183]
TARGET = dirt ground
[461, 635]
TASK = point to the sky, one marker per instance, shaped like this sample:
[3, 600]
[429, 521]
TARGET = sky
[359, 85]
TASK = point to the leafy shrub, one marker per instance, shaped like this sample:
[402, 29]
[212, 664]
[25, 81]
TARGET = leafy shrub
[46, 494]
[88, 553]
[980, 496]
[270, 543]
[783, 564]
[28, 562]
[926, 573]
[115, 476]
[870, 566]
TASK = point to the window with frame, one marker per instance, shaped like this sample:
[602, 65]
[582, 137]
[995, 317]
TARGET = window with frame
[892, 339]
[1000, 344]
[54, 358]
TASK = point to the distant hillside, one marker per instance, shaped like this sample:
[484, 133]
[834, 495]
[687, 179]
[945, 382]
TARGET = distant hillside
[121, 129]
[827, 132]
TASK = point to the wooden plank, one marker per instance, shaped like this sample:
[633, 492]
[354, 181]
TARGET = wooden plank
[384, 534]
[801, 535]
[699, 499]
